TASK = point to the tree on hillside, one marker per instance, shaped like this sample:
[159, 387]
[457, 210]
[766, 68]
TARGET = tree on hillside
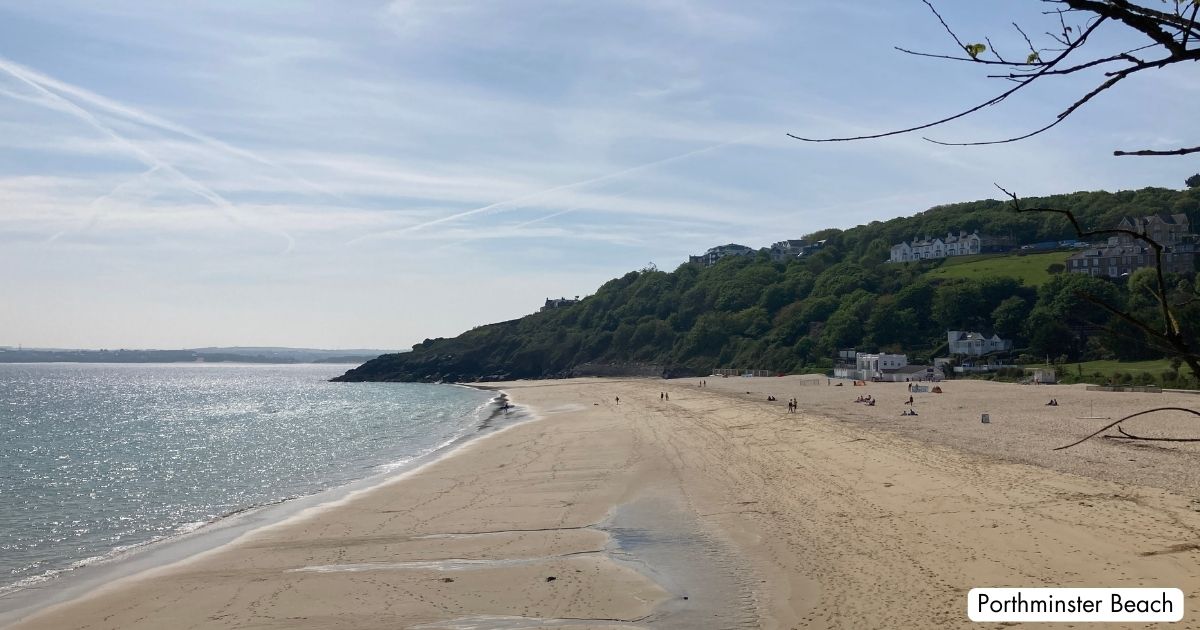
[1193, 181]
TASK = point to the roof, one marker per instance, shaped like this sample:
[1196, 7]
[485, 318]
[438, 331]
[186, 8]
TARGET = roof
[950, 238]
[1108, 251]
[1161, 217]
[971, 336]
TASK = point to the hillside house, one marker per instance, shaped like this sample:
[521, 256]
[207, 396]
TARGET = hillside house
[710, 257]
[1124, 254]
[975, 344]
[961, 244]
[553, 303]
[786, 250]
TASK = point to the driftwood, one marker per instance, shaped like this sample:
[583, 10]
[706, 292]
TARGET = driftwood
[1127, 435]
[1134, 415]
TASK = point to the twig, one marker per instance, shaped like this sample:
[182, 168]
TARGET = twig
[1152, 152]
[994, 100]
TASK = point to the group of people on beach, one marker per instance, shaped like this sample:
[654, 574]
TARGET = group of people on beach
[870, 401]
[664, 396]
[703, 383]
[1053, 402]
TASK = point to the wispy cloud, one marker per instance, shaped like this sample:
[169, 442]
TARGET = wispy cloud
[427, 132]
[57, 101]
[518, 201]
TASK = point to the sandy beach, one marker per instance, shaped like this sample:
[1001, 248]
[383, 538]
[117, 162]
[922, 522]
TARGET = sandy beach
[715, 509]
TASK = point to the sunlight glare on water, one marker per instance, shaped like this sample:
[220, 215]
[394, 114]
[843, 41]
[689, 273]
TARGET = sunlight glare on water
[98, 458]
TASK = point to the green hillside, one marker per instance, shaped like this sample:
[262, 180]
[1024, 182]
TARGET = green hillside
[751, 312]
[1031, 269]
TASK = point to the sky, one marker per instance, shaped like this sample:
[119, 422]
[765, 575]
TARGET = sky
[374, 173]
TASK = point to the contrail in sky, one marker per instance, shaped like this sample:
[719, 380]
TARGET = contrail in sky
[518, 200]
[143, 155]
[94, 204]
[538, 219]
[149, 120]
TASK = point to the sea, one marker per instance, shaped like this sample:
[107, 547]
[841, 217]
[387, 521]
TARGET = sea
[100, 460]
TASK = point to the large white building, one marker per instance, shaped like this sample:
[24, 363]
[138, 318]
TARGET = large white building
[961, 244]
[884, 367]
[875, 364]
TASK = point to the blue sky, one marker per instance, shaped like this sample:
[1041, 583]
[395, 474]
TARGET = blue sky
[369, 174]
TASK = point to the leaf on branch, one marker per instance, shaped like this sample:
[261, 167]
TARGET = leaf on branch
[975, 50]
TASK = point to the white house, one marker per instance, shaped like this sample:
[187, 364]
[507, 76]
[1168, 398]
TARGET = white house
[961, 244]
[975, 344]
[887, 367]
[874, 364]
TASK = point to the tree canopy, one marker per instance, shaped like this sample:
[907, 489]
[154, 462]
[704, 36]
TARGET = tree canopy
[752, 312]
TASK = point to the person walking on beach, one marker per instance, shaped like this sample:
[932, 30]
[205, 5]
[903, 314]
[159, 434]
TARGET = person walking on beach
[661, 394]
[668, 395]
[618, 400]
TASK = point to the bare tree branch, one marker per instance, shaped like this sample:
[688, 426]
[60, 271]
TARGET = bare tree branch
[994, 100]
[1132, 415]
[1173, 31]
[1153, 152]
[1125, 435]
[958, 41]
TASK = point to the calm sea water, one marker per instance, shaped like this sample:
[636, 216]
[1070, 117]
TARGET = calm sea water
[95, 459]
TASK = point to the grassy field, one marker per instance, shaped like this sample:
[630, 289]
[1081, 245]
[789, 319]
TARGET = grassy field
[1157, 372]
[1029, 268]
[1108, 368]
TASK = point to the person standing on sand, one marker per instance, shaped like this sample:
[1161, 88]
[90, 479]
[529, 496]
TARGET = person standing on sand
[618, 400]
[660, 395]
[668, 395]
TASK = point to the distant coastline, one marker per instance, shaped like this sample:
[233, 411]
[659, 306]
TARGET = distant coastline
[267, 355]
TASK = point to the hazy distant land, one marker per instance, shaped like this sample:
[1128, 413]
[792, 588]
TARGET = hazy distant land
[236, 354]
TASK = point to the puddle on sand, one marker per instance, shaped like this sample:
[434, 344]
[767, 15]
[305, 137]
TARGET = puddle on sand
[652, 535]
[711, 587]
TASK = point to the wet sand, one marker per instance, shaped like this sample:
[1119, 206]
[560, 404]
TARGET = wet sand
[714, 509]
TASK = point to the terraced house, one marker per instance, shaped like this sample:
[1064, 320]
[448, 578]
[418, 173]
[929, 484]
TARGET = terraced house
[1124, 254]
[961, 244]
